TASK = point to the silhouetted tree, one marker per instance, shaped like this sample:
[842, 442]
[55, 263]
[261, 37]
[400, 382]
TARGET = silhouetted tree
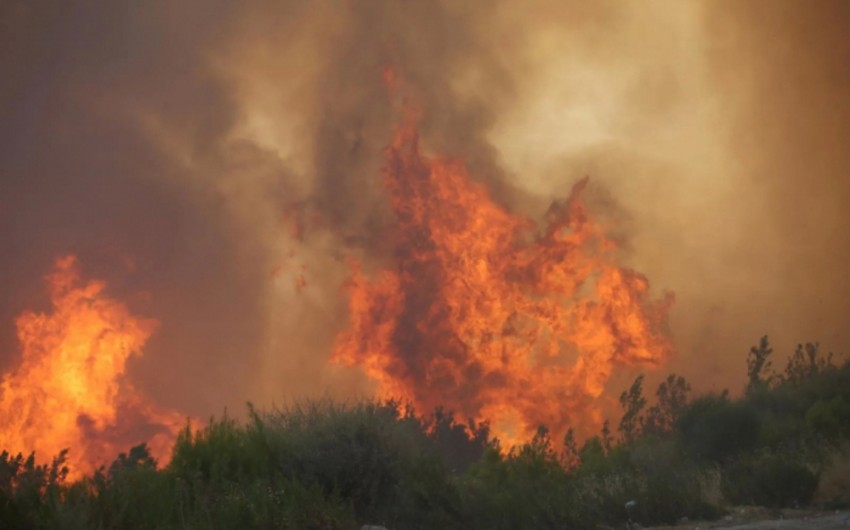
[672, 395]
[805, 363]
[460, 445]
[541, 442]
[139, 456]
[570, 452]
[759, 366]
[607, 439]
[633, 404]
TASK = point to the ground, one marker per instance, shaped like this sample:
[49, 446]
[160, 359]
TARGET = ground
[752, 518]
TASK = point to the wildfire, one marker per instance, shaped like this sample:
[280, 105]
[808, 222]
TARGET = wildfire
[69, 391]
[490, 315]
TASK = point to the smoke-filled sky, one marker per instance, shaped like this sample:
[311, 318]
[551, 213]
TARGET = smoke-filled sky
[202, 156]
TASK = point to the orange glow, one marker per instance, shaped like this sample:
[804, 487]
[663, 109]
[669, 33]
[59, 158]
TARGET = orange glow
[69, 391]
[490, 315]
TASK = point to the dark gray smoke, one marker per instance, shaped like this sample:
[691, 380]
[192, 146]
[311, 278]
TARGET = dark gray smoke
[204, 157]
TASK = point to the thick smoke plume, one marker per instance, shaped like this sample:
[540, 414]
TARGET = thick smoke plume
[216, 162]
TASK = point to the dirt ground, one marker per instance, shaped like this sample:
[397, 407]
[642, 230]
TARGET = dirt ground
[754, 518]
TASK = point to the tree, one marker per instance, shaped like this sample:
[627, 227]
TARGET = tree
[607, 439]
[672, 395]
[139, 456]
[570, 452]
[592, 454]
[759, 366]
[805, 363]
[460, 445]
[633, 404]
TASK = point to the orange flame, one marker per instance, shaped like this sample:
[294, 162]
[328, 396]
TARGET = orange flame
[68, 391]
[487, 314]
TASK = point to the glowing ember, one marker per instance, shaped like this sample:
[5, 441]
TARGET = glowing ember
[485, 313]
[68, 391]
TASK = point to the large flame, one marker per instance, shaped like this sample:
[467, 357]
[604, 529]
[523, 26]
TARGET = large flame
[488, 314]
[68, 391]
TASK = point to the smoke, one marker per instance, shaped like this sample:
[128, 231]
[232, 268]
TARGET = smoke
[217, 162]
[720, 133]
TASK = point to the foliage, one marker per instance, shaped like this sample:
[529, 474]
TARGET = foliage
[633, 403]
[759, 372]
[29, 493]
[806, 363]
[368, 462]
[713, 428]
[526, 488]
[326, 465]
[671, 399]
[771, 480]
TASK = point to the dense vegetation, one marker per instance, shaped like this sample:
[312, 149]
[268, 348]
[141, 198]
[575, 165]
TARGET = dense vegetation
[328, 465]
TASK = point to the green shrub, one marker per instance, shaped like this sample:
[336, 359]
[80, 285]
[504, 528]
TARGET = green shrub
[769, 480]
[527, 488]
[713, 429]
[662, 481]
[670, 485]
[829, 418]
[367, 462]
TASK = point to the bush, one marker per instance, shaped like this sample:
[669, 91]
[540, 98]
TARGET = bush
[527, 488]
[670, 485]
[367, 462]
[774, 481]
[829, 418]
[664, 484]
[713, 429]
[834, 485]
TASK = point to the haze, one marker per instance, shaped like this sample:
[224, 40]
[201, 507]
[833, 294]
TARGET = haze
[216, 162]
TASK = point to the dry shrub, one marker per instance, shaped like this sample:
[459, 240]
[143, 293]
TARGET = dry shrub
[834, 488]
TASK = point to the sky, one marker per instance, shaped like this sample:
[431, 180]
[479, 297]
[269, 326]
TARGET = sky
[216, 162]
